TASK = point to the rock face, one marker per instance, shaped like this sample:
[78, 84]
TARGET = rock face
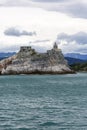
[28, 61]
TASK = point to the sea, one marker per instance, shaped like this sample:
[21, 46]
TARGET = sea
[43, 102]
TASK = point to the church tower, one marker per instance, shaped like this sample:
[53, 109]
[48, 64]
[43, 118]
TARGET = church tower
[55, 47]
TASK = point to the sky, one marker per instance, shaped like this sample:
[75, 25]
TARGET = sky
[39, 23]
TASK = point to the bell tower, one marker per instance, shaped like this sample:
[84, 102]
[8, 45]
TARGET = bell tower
[55, 47]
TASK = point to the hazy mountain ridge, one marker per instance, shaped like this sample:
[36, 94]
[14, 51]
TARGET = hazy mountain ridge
[77, 64]
[4, 55]
[72, 61]
[76, 56]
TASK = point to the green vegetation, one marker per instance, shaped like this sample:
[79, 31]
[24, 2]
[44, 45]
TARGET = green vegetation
[79, 67]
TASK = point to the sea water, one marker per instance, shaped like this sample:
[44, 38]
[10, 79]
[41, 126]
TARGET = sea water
[43, 102]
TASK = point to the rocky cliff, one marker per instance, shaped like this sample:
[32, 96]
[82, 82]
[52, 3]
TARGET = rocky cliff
[28, 61]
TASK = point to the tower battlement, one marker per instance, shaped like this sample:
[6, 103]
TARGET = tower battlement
[25, 48]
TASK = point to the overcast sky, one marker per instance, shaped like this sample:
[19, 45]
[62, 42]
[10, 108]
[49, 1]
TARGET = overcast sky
[39, 23]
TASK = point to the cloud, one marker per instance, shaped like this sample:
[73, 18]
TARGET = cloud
[26, 2]
[40, 41]
[49, 0]
[75, 43]
[41, 45]
[37, 45]
[80, 37]
[15, 3]
[78, 10]
[82, 50]
[75, 8]
[15, 32]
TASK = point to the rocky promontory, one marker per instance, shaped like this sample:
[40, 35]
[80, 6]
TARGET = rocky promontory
[28, 61]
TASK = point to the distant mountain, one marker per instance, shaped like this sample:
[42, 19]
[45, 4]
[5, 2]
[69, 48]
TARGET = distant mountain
[72, 61]
[76, 56]
[77, 64]
[4, 55]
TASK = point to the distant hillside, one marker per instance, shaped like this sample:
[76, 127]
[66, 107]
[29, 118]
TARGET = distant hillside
[77, 64]
[79, 67]
[6, 55]
[76, 56]
[72, 61]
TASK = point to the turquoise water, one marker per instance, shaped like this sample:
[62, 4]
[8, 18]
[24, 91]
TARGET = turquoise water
[43, 102]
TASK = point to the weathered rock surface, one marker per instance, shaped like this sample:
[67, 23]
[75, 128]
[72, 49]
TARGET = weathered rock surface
[28, 61]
